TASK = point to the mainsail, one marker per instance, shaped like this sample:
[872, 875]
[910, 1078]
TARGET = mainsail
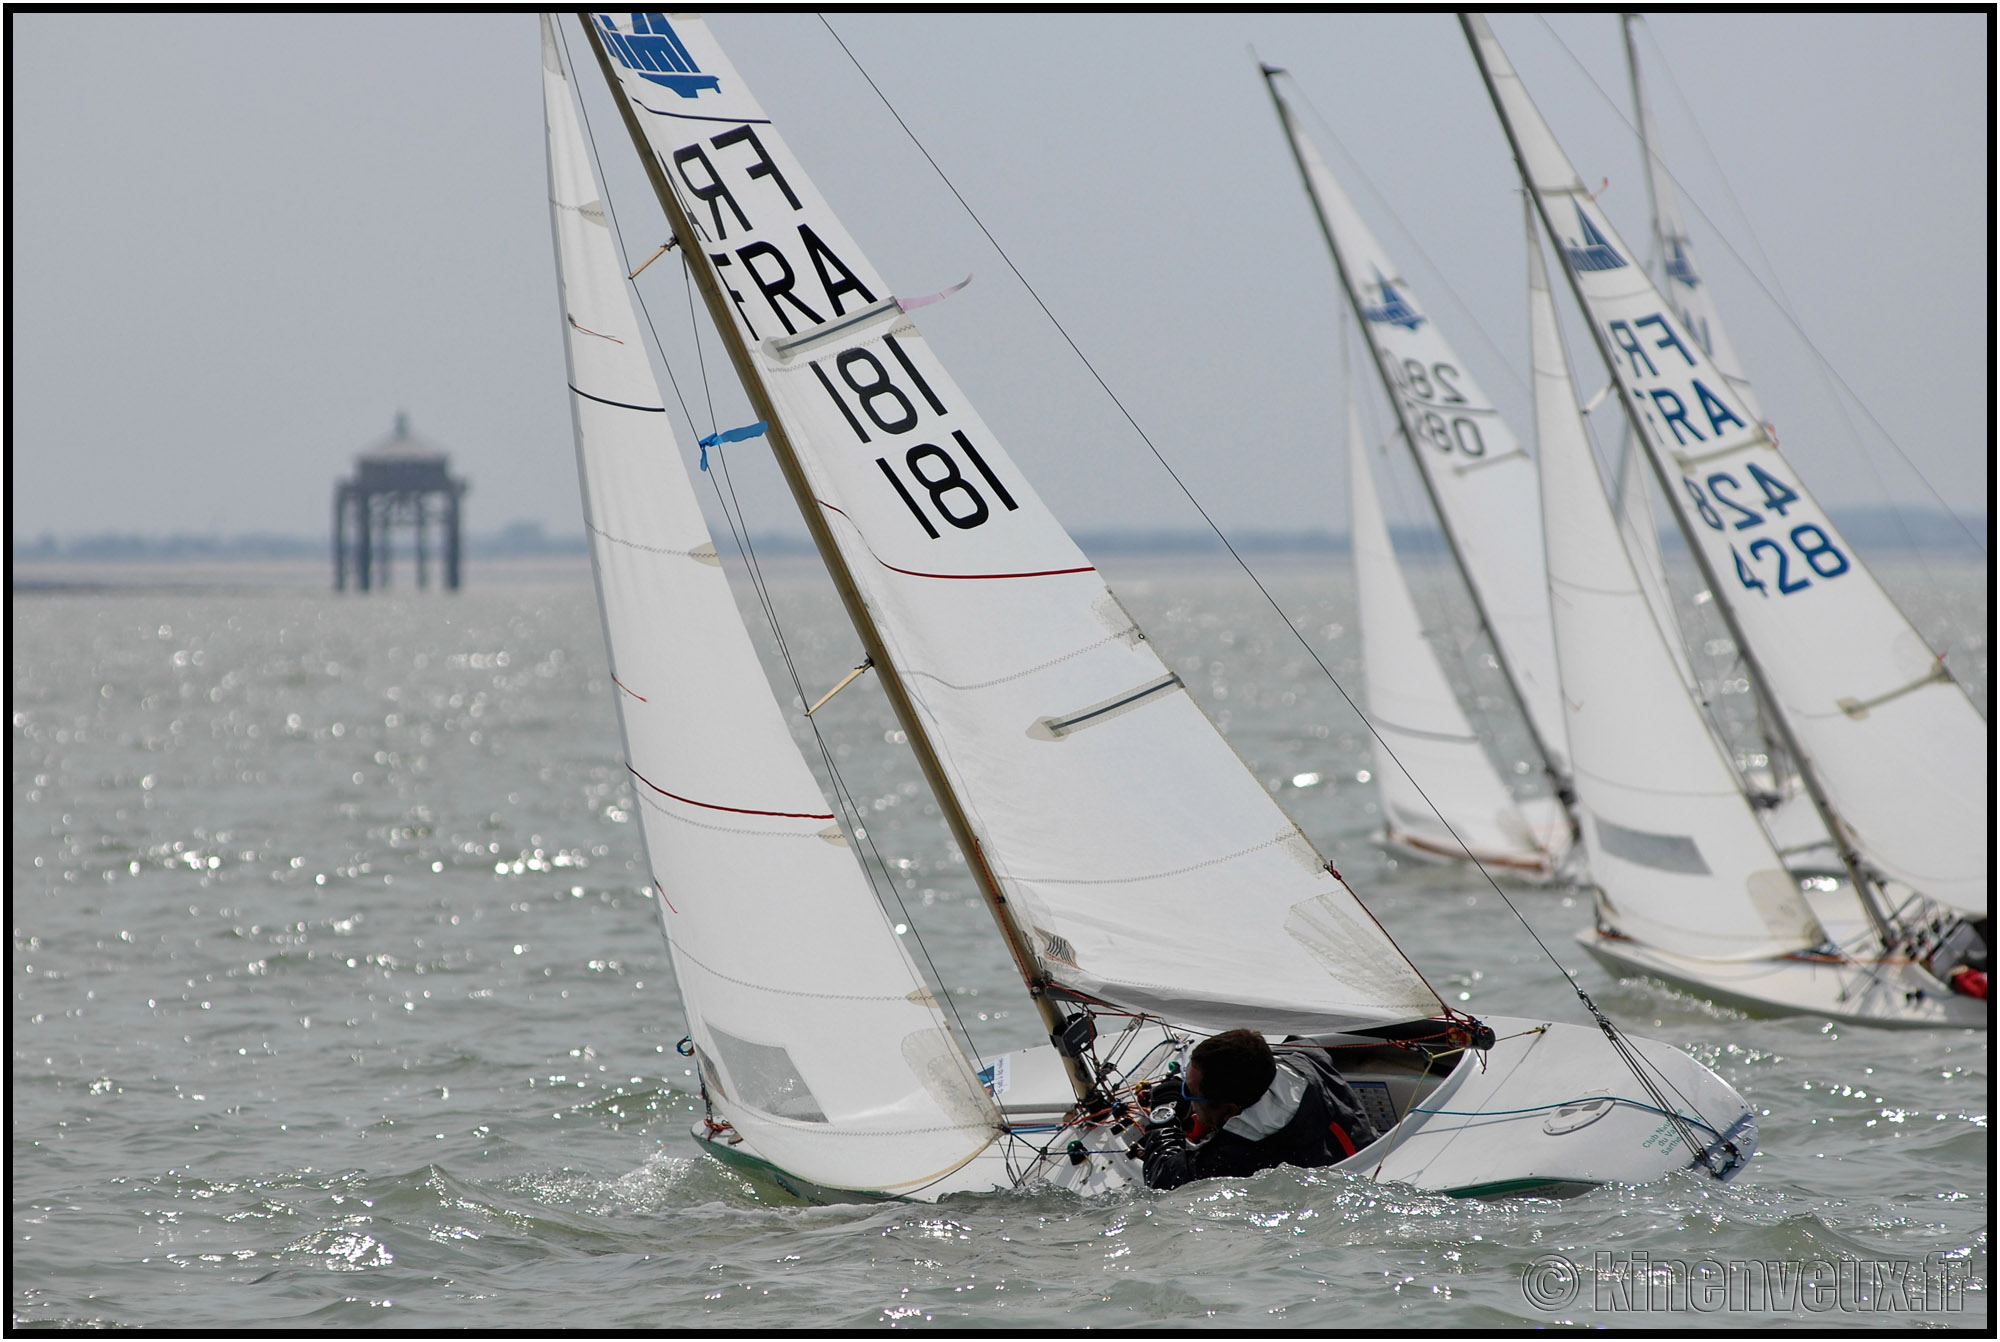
[817, 1036]
[1675, 850]
[1480, 478]
[1893, 742]
[1138, 860]
[1426, 754]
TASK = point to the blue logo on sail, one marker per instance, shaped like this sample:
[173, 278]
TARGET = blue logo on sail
[1680, 265]
[652, 51]
[1594, 253]
[1393, 309]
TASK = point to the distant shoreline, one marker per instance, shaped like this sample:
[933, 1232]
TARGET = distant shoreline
[1117, 552]
[1871, 530]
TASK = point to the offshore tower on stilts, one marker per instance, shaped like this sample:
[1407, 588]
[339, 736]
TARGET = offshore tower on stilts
[400, 482]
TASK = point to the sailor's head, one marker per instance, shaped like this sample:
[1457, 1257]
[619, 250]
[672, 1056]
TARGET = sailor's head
[1227, 1074]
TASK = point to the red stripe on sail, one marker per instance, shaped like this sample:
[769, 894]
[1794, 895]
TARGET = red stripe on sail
[709, 805]
[661, 887]
[913, 573]
[629, 690]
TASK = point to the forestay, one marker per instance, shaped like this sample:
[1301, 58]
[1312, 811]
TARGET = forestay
[1482, 480]
[1675, 849]
[1144, 862]
[1421, 728]
[1692, 300]
[1896, 744]
[817, 1037]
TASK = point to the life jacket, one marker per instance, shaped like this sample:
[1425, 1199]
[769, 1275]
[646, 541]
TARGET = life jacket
[1308, 1116]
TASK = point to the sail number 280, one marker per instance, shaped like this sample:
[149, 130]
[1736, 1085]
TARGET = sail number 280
[859, 381]
[1429, 394]
[1740, 512]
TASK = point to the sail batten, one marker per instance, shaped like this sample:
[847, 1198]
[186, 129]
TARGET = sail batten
[1072, 754]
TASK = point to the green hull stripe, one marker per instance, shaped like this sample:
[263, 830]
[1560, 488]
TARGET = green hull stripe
[1554, 1188]
[763, 1171]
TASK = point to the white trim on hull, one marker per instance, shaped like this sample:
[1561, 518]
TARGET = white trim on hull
[1893, 994]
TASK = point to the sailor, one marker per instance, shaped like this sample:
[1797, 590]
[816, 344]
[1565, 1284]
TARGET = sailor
[1252, 1110]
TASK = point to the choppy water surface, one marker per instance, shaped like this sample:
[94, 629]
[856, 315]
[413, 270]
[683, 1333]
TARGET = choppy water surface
[338, 999]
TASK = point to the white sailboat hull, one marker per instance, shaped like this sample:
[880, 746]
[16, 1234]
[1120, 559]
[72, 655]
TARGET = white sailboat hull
[1526, 1120]
[1505, 1124]
[1546, 820]
[1893, 994]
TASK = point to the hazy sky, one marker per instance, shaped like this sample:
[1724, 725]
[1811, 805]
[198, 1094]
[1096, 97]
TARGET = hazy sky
[243, 241]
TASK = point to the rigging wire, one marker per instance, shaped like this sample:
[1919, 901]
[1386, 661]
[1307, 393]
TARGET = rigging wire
[732, 512]
[1622, 1046]
[1778, 299]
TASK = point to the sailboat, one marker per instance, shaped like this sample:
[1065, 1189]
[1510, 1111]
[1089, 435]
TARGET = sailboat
[1138, 874]
[1888, 746]
[1441, 795]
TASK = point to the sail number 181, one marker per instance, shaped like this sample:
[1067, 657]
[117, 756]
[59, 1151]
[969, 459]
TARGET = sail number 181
[927, 469]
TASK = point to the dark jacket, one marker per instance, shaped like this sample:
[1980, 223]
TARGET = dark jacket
[1309, 1116]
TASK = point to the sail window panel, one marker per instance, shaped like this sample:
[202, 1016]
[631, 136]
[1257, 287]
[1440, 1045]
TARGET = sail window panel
[1662, 852]
[764, 1076]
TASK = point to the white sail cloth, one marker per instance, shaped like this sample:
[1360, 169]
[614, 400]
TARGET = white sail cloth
[1426, 753]
[817, 1037]
[1673, 846]
[1896, 744]
[1679, 279]
[1481, 479]
[1145, 864]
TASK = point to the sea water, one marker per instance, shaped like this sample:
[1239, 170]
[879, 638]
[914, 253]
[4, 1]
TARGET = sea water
[338, 999]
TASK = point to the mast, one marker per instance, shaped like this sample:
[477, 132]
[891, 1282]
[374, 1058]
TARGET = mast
[1563, 789]
[1625, 22]
[1850, 857]
[843, 580]
[1765, 706]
